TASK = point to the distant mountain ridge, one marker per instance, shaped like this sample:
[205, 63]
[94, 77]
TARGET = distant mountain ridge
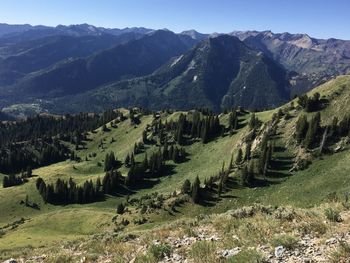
[314, 60]
[132, 59]
[218, 73]
[152, 68]
[72, 30]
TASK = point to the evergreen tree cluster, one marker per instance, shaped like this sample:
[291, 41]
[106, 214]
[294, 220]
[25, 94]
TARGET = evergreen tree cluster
[308, 132]
[111, 162]
[343, 128]
[16, 157]
[254, 122]
[64, 193]
[310, 104]
[153, 166]
[12, 180]
[265, 156]
[193, 190]
[110, 182]
[36, 141]
[194, 125]
[66, 126]
[205, 128]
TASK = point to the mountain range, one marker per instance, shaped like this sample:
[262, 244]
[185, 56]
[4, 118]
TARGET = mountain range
[83, 67]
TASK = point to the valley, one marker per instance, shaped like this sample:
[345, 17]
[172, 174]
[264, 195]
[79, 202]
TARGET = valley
[289, 198]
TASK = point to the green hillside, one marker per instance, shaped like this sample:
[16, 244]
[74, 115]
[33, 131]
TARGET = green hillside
[51, 224]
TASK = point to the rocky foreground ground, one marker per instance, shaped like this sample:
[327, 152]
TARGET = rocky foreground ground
[249, 234]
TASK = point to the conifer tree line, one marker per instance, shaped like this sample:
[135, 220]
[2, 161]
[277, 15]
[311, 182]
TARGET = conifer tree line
[12, 180]
[205, 128]
[63, 192]
[194, 126]
[18, 156]
[40, 126]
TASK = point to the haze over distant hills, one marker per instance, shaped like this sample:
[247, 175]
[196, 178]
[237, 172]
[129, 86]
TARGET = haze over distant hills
[158, 68]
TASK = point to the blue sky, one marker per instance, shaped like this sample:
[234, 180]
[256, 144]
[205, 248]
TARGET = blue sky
[318, 18]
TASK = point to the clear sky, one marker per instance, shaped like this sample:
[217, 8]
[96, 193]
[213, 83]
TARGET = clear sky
[318, 18]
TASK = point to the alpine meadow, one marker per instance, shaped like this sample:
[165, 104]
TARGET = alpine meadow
[140, 144]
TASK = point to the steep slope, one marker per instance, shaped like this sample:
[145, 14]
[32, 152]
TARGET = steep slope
[218, 73]
[316, 60]
[134, 58]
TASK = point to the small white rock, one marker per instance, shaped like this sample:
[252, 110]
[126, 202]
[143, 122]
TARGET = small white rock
[279, 251]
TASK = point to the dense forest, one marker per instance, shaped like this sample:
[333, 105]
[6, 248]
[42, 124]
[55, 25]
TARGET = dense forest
[37, 141]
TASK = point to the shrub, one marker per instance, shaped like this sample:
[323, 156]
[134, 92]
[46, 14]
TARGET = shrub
[332, 215]
[160, 251]
[289, 242]
[342, 254]
[247, 256]
[145, 259]
[314, 227]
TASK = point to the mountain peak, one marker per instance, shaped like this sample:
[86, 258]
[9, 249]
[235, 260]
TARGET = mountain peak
[194, 34]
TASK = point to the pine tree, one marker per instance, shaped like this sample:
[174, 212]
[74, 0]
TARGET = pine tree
[239, 156]
[250, 174]
[312, 132]
[120, 208]
[145, 163]
[144, 136]
[196, 191]
[253, 122]
[220, 186]
[107, 163]
[231, 163]
[98, 185]
[244, 175]
[301, 128]
[248, 151]
[186, 187]
[29, 172]
[127, 161]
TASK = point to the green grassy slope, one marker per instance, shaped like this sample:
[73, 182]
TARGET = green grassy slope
[54, 223]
